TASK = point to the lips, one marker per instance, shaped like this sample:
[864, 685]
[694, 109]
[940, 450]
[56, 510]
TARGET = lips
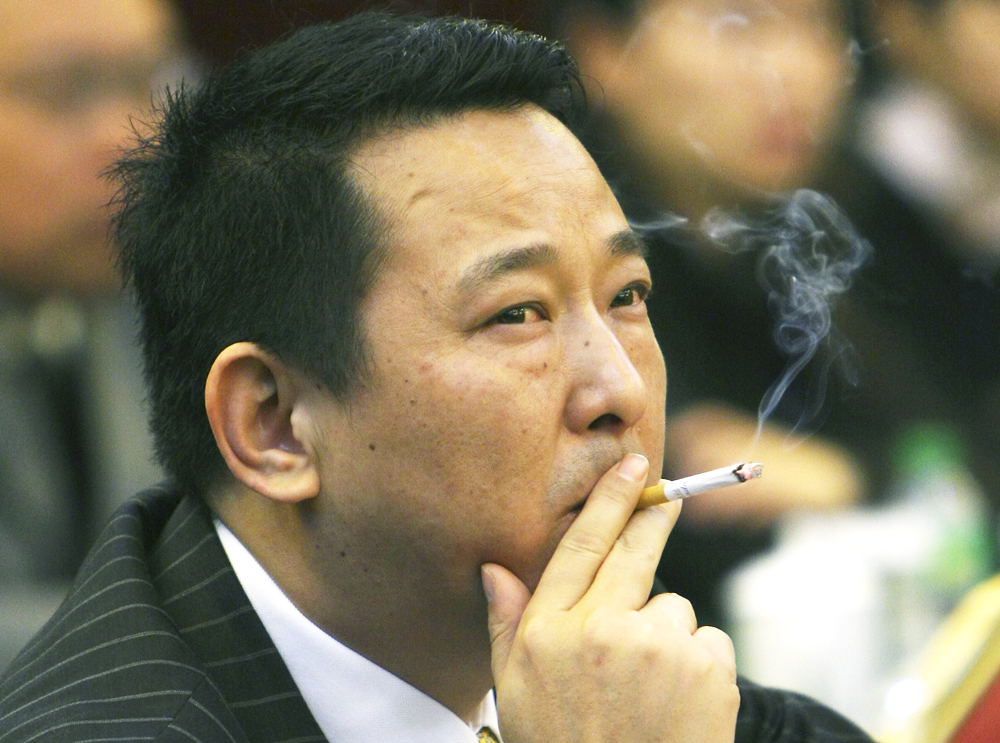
[786, 136]
[596, 463]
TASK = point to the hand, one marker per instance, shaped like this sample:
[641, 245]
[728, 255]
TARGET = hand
[587, 658]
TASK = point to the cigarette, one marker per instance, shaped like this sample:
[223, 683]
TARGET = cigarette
[668, 490]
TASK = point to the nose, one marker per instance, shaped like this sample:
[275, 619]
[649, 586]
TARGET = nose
[607, 392]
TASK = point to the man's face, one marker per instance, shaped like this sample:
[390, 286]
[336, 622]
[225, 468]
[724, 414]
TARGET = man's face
[735, 94]
[512, 359]
[71, 72]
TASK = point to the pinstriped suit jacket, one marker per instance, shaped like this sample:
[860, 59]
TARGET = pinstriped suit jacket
[157, 641]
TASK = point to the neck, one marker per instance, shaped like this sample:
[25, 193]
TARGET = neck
[428, 634]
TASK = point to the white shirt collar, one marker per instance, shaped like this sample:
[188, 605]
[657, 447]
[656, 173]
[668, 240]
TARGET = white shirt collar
[351, 698]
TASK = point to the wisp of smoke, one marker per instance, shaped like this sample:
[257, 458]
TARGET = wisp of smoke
[808, 253]
[666, 221]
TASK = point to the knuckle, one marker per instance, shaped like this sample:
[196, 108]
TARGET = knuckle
[621, 492]
[602, 638]
[616, 493]
[586, 543]
[676, 607]
[683, 604]
[596, 628]
[639, 546]
[538, 643]
[534, 635]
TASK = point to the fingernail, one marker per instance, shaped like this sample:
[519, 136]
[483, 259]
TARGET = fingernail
[487, 577]
[634, 467]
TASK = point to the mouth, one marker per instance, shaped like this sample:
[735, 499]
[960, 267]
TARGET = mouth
[589, 472]
[787, 137]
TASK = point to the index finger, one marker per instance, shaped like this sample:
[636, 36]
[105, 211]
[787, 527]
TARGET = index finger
[590, 539]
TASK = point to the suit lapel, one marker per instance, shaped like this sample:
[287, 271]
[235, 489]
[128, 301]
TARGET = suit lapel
[204, 598]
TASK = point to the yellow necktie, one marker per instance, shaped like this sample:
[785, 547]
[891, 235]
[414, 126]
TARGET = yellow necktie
[485, 735]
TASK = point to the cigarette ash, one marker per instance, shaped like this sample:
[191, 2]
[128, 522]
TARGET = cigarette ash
[809, 252]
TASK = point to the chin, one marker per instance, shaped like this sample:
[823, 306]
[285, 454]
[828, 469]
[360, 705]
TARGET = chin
[532, 576]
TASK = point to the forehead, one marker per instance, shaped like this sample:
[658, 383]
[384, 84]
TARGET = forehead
[35, 31]
[486, 178]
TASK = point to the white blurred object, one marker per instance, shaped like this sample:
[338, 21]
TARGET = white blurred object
[807, 617]
[845, 601]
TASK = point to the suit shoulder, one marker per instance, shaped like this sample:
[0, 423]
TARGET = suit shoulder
[110, 663]
[774, 716]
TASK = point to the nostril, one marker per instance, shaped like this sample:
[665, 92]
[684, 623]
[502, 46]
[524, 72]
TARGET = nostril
[608, 420]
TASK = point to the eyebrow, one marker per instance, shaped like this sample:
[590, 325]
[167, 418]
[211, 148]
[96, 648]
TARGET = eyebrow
[627, 243]
[621, 244]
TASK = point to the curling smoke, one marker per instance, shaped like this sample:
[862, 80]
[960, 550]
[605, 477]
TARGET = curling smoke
[809, 252]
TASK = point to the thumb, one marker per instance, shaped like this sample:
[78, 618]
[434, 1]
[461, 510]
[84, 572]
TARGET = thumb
[506, 598]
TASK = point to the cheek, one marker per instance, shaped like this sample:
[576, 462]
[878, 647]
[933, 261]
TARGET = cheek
[648, 359]
[487, 473]
[823, 83]
[504, 440]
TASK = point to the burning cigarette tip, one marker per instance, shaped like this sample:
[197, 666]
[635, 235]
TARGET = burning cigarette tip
[749, 471]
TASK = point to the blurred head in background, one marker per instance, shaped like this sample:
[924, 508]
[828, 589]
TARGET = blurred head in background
[951, 45]
[715, 102]
[71, 74]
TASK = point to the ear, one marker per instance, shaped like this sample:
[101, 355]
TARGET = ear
[250, 398]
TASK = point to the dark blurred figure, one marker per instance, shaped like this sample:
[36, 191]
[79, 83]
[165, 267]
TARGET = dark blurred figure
[73, 439]
[921, 180]
[731, 104]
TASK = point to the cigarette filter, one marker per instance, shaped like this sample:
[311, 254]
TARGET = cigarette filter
[668, 490]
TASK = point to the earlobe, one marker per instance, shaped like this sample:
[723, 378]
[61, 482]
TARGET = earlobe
[250, 396]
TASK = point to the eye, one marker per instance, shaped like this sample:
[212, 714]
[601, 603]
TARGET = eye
[630, 295]
[518, 315]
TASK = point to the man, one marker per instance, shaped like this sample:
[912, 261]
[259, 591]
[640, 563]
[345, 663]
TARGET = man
[395, 332]
[73, 438]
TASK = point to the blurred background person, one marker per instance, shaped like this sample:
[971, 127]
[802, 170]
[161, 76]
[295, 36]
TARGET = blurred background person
[920, 177]
[702, 106]
[73, 438]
